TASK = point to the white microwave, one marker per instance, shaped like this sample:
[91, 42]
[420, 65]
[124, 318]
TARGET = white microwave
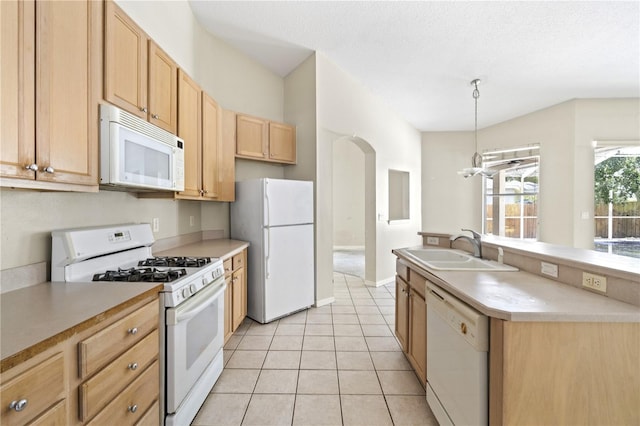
[138, 155]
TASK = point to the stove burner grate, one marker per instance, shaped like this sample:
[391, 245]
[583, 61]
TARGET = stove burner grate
[176, 262]
[141, 274]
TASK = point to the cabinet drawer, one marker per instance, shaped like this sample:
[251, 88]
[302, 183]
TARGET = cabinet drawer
[227, 264]
[56, 415]
[151, 417]
[238, 261]
[418, 283]
[40, 386]
[131, 404]
[103, 346]
[402, 270]
[96, 392]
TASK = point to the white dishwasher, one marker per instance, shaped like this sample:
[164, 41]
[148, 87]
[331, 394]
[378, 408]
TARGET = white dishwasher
[457, 363]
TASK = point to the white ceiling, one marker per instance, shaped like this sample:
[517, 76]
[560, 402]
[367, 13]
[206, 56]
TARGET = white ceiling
[420, 57]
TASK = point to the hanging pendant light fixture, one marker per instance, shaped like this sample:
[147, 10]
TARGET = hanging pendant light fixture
[476, 159]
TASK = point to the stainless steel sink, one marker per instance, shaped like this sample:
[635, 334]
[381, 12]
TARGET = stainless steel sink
[454, 260]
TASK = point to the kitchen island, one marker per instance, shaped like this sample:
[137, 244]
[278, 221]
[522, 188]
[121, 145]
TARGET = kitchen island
[557, 354]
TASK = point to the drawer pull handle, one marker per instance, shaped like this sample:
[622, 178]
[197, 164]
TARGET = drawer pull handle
[132, 408]
[133, 330]
[18, 405]
[133, 366]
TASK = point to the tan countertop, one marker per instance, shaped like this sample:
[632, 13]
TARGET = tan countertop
[522, 296]
[38, 317]
[222, 248]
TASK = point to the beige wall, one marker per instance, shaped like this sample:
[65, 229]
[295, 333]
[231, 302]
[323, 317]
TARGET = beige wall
[347, 109]
[564, 133]
[449, 202]
[234, 80]
[348, 194]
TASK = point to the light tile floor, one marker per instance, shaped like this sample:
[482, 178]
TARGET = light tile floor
[338, 364]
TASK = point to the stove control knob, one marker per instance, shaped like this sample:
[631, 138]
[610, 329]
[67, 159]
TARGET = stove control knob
[193, 288]
[185, 292]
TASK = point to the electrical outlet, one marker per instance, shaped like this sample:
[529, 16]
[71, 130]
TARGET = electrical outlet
[155, 224]
[191, 220]
[434, 241]
[550, 269]
[594, 282]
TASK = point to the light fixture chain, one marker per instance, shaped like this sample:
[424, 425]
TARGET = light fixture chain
[476, 159]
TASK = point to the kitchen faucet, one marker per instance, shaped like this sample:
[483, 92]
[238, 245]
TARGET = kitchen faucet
[476, 241]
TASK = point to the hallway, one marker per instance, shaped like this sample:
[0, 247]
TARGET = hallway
[339, 364]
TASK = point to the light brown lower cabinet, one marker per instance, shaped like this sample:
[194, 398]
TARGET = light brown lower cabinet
[104, 374]
[402, 313]
[564, 373]
[411, 318]
[540, 373]
[235, 293]
[35, 392]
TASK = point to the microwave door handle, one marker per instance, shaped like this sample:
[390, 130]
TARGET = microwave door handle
[193, 307]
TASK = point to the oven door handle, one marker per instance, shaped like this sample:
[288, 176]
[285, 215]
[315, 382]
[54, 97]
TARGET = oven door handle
[195, 305]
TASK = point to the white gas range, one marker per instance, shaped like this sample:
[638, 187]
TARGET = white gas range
[192, 312]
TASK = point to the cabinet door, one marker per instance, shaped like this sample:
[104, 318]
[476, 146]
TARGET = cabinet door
[211, 115]
[125, 56]
[68, 81]
[17, 121]
[228, 309]
[402, 312]
[226, 162]
[282, 143]
[189, 129]
[418, 334]
[162, 93]
[239, 297]
[251, 137]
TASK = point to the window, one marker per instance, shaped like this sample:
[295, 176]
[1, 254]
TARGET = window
[617, 197]
[510, 188]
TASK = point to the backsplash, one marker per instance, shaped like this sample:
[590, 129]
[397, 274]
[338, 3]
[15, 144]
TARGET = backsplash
[622, 284]
[29, 275]
[28, 217]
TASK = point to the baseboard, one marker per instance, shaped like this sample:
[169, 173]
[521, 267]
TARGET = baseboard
[354, 248]
[380, 283]
[325, 301]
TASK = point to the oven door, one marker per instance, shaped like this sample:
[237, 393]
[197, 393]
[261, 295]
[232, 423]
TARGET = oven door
[195, 335]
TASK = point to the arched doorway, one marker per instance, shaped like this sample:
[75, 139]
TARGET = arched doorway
[354, 232]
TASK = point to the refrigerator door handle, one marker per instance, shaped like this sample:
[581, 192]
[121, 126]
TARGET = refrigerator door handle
[267, 203]
[268, 254]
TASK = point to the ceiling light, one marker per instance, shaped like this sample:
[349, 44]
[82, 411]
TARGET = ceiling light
[476, 159]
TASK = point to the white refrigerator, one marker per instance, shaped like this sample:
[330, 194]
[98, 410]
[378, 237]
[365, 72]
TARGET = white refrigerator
[276, 217]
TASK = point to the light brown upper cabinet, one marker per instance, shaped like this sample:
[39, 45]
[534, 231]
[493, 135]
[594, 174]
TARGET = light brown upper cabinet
[226, 160]
[211, 117]
[190, 130]
[209, 167]
[51, 52]
[139, 76]
[260, 139]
